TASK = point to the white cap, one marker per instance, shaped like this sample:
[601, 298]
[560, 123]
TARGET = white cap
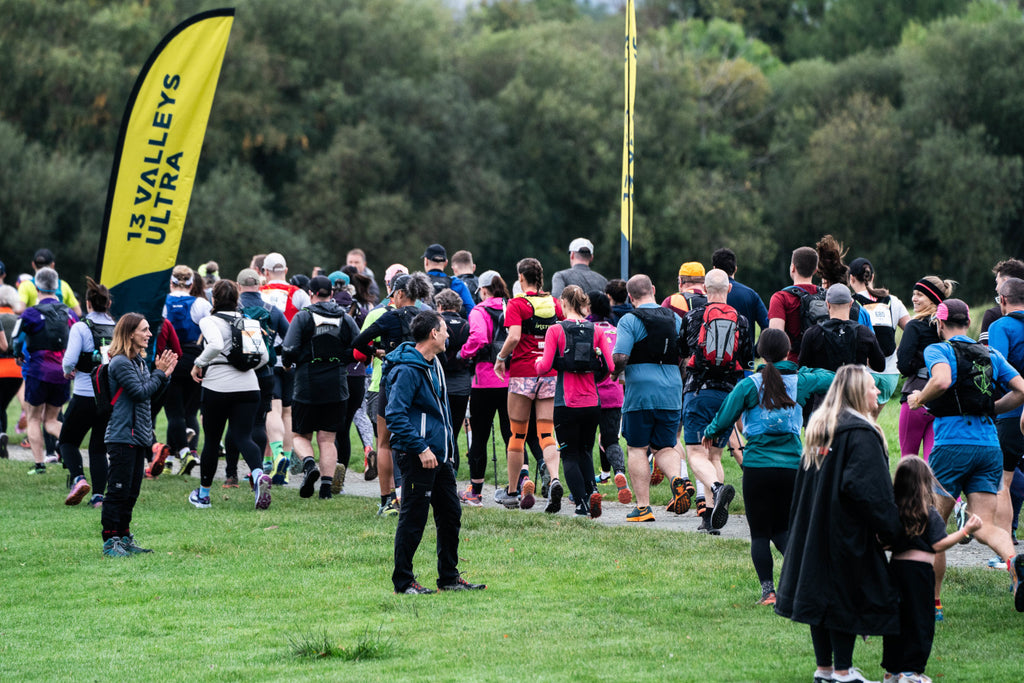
[274, 261]
[581, 244]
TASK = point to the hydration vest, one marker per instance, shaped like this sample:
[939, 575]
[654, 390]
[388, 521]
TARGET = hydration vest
[661, 345]
[102, 337]
[404, 316]
[499, 333]
[246, 350]
[579, 355]
[53, 335]
[544, 315]
[458, 333]
[760, 420]
[328, 341]
[973, 392]
[840, 339]
[880, 312]
[179, 313]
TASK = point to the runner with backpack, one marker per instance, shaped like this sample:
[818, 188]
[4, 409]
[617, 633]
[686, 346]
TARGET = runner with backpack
[527, 319]
[435, 260]
[88, 348]
[319, 346]
[838, 340]
[489, 393]
[231, 391]
[184, 309]
[887, 314]
[582, 357]
[41, 337]
[718, 342]
[613, 461]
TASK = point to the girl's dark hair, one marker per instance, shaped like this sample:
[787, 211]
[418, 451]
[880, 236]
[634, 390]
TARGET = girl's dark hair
[574, 296]
[867, 273]
[773, 346]
[533, 271]
[225, 296]
[361, 284]
[498, 287]
[97, 295]
[913, 487]
[600, 307]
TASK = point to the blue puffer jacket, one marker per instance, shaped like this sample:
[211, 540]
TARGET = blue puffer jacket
[417, 411]
[131, 421]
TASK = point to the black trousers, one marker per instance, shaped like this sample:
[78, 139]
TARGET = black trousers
[343, 439]
[486, 402]
[8, 390]
[909, 650]
[124, 480]
[612, 458]
[259, 428]
[767, 495]
[576, 429]
[423, 489]
[181, 403]
[79, 418]
[237, 410]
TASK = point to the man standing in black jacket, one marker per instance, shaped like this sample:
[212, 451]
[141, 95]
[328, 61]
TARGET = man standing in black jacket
[318, 344]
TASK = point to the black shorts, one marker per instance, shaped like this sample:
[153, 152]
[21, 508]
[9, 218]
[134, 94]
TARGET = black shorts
[382, 401]
[1011, 441]
[317, 417]
[284, 385]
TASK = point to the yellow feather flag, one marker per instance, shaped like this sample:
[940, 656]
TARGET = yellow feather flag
[155, 163]
[626, 221]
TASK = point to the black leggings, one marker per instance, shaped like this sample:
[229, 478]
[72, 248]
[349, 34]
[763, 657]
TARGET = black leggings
[236, 409]
[343, 439]
[8, 390]
[612, 458]
[486, 402]
[181, 403]
[457, 409]
[259, 429]
[909, 650]
[832, 648]
[576, 429]
[79, 418]
[767, 495]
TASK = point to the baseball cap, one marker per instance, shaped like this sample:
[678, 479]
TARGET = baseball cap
[838, 294]
[486, 279]
[393, 270]
[274, 261]
[321, 286]
[338, 276]
[43, 257]
[399, 283]
[691, 269]
[581, 244]
[954, 311]
[247, 277]
[861, 269]
[435, 252]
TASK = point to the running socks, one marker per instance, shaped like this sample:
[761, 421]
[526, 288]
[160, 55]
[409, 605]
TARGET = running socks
[277, 449]
[204, 492]
[478, 487]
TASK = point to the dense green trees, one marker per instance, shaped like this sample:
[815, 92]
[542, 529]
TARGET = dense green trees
[389, 124]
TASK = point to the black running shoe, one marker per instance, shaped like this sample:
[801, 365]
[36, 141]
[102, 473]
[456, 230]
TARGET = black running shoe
[555, 494]
[309, 479]
[415, 588]
[462, 585]
[723, 497]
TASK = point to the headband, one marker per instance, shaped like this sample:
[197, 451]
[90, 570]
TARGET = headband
[928, 291]
[182, 283]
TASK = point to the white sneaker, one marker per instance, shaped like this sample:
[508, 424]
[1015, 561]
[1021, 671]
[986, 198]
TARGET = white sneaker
[854, 676]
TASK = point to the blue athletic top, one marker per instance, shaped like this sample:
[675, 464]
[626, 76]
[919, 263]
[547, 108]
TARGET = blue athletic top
[1006, 335]
[649, 386]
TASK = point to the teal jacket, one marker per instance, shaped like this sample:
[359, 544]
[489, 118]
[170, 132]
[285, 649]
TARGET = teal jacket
[769, 450]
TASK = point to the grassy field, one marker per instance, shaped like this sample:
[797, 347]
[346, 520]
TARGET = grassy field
[231, 594]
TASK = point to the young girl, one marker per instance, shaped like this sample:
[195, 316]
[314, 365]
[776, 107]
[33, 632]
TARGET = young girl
[912, 571]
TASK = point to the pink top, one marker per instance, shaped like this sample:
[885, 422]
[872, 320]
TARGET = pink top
[574, 389]
[481, 332]
[609, 390]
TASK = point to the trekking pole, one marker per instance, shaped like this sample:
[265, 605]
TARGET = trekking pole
[494, 457]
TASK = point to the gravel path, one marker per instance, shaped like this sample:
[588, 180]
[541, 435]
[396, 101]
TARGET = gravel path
[972, 555]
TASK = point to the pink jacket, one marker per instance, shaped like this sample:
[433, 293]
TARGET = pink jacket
[481, 333]
[609, 390]
[578, 388]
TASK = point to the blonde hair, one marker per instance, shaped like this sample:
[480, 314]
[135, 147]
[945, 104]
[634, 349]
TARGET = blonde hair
[182, 277]
[123, 331]
[943, 287]
[849, 391]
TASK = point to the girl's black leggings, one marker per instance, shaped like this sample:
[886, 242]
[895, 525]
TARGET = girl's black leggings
[237, 410]
[485, 403]
[79, 418]
[767, 495]
[181, 403]
[576, 429]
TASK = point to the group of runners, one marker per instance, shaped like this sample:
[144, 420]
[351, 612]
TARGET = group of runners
[271, 363]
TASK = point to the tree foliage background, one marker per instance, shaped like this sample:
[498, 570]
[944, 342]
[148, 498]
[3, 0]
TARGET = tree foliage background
[391, 124]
